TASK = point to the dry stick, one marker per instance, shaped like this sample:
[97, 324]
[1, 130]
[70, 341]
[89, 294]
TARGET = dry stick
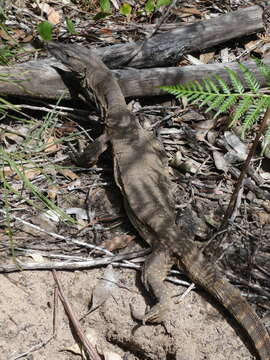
[55, 310]
[77, 326]
[244, 170]
[74, 265]
[32, 349]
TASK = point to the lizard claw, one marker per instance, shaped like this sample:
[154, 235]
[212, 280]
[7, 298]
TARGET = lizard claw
[154, 315]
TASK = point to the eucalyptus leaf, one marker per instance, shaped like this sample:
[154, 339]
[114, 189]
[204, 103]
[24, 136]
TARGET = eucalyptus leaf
[105, 6]
[125, 9]
[70, 26]
[163, 3]
[45, 30]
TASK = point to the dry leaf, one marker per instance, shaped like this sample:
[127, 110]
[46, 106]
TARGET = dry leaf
[53, 191]
[104, 288]
[236, 145]
[52, 15]
[37, 258]
[92, 336]
[115, 4]
[252, 45]
[205, 58]
[109, 355]
[191, 11]
[119, 242]
[4, 35]
[193, 60]
[203, 127]
[220, 162]
[48, 220]
[263, 217]
[51, 145]
[31, 173]
[68, 173]
[28, 173]
[7, 171]
[27, 38]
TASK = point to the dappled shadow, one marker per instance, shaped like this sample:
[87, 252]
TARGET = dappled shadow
[141, 173]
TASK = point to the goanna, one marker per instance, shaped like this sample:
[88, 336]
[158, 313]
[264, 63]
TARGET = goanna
[141, 173]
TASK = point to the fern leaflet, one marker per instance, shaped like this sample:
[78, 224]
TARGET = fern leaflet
[220, 95]
[252, 82]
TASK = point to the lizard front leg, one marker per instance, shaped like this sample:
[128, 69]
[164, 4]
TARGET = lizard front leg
[90, 155]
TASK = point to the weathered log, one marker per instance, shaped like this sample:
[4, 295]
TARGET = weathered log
[40, 79]
[45, 81]
[167, 48]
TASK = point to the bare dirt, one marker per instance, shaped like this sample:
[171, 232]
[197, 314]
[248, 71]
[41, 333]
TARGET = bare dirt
[194, 328]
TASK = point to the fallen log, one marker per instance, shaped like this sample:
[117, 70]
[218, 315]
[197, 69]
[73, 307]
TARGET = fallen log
[166, 49]
[44, 81]
[40, 79]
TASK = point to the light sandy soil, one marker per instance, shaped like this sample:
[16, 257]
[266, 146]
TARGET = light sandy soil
[195, 329]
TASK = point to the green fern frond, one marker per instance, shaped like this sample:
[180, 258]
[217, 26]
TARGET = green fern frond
[253, 114]
[264, 70]
[207, 99]
[266, 141]
[215, 104]
[223, 85]
[235, 81]
[199, 85]
[243, 106]
[210, 86]
[226, 105]
[252, 82]
[221, 95]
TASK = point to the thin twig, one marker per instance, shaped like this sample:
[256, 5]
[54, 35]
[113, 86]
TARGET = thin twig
[75, 265]
[244, 170]
[89, 348]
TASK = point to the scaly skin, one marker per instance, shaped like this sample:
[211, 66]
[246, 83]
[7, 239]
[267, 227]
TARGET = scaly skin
[141, 173]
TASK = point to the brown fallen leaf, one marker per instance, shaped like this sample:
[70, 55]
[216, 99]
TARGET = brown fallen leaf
[28, 173]
[53, 191]
[51, 145]
[205, 58]
[27, 38]
[263, 217]
[4, 35]
[203, 127]
[186, 11]
[53, 16]
[119, 242]
[68, 173]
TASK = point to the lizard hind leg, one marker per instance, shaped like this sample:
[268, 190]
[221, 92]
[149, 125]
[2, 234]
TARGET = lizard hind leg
[92, 152]
[155, 270]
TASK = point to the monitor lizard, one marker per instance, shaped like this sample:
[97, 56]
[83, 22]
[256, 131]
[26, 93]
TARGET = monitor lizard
[141, 173]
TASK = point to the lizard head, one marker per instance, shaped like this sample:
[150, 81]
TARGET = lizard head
[73, 56]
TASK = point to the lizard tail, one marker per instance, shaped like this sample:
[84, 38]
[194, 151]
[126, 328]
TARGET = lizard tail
[207, 277]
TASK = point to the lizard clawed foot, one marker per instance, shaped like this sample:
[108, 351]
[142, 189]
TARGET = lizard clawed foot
[154, 315]
[90, 155]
